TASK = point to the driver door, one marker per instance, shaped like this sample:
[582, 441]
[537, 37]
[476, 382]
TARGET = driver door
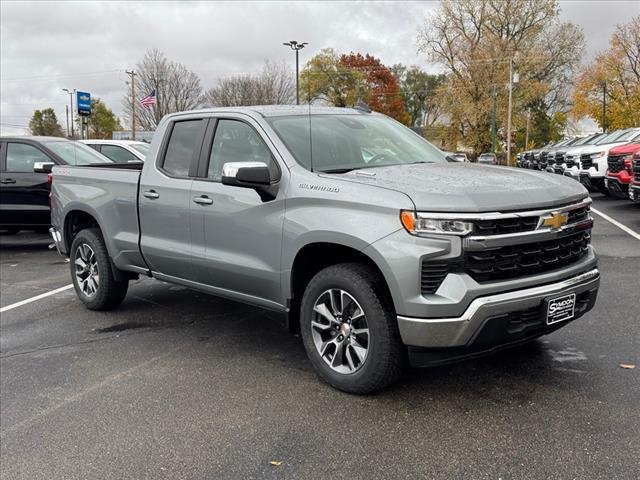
[236, 236]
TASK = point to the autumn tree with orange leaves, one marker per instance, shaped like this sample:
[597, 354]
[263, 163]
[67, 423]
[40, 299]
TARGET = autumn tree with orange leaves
[384, 91]
[346, 80]
[619, 69]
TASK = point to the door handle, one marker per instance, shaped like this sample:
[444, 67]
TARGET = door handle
[8, 180]
[151, 194]
[203, 200]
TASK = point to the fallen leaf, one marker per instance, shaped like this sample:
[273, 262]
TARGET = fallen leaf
[628, 366]
[275, 463]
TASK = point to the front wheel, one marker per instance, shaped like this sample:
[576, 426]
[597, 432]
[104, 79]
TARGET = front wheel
[349, 329]
[91, 272]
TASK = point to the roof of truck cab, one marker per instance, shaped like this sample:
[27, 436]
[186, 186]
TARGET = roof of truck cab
[283, 110]
[35, 138]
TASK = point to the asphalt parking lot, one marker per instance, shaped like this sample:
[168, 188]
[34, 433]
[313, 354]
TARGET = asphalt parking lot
[176, 384]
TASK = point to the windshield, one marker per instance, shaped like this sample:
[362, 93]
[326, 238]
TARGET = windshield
[75, 153]
[612, 137]
[340, 143]
[587, 140]
[143, 148]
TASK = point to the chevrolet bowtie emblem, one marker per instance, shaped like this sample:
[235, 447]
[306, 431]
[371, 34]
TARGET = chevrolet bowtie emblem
[555, 220]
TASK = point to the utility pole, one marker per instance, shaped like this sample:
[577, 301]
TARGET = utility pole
[526, 136]
[509, 111]
[604, 107]
[132, 73]
[297, 46]
[71, 94]
[494, 94]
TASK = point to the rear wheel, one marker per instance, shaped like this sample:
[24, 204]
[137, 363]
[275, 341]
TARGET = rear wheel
[91, 272]
[349, 329]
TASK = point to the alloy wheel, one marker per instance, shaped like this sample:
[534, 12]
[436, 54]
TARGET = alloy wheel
[340, 331]
[87, 274]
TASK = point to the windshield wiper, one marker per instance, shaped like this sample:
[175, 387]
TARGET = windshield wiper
[339, 170]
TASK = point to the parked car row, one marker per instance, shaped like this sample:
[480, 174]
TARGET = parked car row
[606, 162]
[25, 164]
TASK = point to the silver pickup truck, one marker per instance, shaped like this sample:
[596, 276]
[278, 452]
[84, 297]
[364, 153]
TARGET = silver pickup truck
[376, 247]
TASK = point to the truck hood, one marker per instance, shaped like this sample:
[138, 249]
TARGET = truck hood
[627, 148]
[602, 148]
[468, 187]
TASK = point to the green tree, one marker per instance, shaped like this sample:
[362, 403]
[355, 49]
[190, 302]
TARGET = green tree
[102, 121]
[44, 122]
[543, 127]
[419, 90]
[325, 76]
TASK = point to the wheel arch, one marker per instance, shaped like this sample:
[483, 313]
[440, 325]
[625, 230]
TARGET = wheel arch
[315, 256]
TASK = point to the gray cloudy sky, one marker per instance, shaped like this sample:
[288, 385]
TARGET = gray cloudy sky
[46, 46]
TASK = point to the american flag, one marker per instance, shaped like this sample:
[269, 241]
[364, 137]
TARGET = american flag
[149, 99]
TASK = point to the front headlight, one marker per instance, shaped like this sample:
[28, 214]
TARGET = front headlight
[423, 224]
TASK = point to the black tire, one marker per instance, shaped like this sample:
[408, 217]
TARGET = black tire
[385, 360]
[109, 292]
[604, 190]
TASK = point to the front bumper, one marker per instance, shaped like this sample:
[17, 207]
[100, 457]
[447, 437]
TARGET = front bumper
[634, 192]
[616, 187]
[506, 309]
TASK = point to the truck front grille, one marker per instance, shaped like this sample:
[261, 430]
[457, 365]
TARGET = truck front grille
[573, 161]
[433, 274]
[515, 261]
[615, 163]
[636, 170]
[505, 225]
[587, 162]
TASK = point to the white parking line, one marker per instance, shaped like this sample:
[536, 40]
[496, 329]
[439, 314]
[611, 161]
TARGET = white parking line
[36, 298]
[622, 227]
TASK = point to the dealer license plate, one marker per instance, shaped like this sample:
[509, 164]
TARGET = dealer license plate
[561, 308]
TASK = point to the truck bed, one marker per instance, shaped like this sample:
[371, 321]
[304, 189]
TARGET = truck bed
[108, 192]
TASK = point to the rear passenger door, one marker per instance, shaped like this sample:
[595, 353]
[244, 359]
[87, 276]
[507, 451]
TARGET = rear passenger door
[24, 194]
[165, 200]
[237, 237]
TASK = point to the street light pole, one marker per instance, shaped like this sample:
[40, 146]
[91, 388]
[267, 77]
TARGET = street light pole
[297, 46]
[71, 93]
[66, 107]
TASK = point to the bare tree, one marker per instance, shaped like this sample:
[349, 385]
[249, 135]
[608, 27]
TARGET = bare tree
[274, 85]
[177, 88]
[477, 40]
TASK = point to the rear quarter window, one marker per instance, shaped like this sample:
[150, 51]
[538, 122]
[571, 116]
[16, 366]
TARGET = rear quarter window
[183, 147]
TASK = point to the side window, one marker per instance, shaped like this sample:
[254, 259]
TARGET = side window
[21, 157]
[118, 154]
[184, 144]
[95, 146]
[235, 141]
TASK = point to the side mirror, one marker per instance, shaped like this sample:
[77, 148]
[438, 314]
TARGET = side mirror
[253, 175]
[43, 167]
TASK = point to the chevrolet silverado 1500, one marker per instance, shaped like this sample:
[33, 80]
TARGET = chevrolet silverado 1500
[375, 246]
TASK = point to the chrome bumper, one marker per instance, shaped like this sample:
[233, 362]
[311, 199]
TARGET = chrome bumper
[57, 239]
[461, 331]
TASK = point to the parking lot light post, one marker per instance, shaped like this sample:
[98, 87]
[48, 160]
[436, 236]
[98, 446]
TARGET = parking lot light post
[71, 93]
[297, 46]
